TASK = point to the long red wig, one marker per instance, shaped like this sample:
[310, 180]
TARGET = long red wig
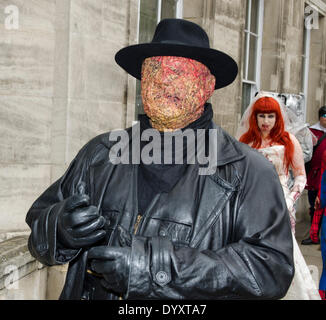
[278, 135]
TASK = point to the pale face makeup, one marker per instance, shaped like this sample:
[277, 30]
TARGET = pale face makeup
[266, 122]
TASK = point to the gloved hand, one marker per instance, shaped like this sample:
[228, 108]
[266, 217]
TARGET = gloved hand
[79, 224]
[114, 264]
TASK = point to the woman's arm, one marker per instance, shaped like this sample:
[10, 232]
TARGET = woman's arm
[298, 170]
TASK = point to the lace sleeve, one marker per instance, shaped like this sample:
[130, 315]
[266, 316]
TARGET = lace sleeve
[298, 170]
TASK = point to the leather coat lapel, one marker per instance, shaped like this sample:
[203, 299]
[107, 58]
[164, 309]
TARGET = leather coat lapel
[225, 148]
[99, 178]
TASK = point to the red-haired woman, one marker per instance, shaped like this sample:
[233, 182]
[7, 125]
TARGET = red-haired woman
[266, 132]
[263, 128]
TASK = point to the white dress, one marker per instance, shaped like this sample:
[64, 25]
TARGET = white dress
[302, 287]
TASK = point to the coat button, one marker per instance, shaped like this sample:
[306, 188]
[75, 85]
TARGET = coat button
[162, 277]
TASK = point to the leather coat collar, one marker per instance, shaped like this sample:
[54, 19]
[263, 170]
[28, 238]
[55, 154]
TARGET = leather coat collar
[226, 152]
[226, 149]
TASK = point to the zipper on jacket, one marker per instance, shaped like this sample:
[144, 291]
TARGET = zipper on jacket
[136, 226]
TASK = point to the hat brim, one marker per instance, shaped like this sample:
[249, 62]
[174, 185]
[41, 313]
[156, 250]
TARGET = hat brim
[221, 65]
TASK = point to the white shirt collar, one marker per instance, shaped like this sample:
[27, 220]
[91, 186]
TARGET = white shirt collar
[318, 126]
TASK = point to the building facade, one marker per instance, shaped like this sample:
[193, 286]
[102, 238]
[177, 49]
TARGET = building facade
[60, 86]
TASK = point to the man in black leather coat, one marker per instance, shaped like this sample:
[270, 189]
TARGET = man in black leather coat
[141, 230]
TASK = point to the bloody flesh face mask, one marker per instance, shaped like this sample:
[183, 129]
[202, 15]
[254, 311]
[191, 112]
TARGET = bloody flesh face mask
[174, 91]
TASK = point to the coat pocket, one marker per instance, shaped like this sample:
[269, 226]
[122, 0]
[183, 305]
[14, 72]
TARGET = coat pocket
[178, 233]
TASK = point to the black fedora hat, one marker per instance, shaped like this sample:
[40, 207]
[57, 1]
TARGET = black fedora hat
[181, 38]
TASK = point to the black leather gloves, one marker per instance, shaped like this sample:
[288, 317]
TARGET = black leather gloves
[114, 264]
[79, 224]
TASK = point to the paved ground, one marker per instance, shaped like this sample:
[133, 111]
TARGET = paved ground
[311, 253]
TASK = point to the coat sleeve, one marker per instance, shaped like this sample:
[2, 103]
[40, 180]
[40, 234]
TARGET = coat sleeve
[256, 264]
[43, 215]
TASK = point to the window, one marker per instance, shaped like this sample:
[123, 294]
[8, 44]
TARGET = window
[151, 12]
[252, 51]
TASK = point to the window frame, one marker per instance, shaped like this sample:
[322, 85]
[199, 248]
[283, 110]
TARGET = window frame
[254, 84]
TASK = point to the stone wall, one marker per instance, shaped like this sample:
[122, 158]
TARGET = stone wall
[92, 98]
[282, 46]
[21, 277]
[282, 49]
[26, 92]
[59, 87]
[227, 20]
[317, 67]
[224, 23]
